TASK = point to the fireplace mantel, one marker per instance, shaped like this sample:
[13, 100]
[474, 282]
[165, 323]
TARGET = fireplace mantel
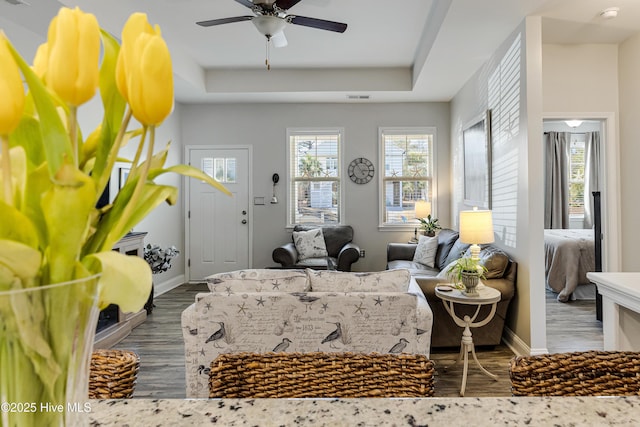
[131, 244]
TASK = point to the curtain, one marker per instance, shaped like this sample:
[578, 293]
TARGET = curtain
[556, 202]
[592, 173]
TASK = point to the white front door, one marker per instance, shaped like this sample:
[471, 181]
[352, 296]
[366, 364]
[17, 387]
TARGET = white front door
[218, 224]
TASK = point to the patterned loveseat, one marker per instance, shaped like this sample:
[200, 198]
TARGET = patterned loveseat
[303, 311]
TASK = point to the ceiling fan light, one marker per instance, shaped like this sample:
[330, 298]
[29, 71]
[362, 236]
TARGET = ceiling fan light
[610, 13]
[268, 25]
[573, 123]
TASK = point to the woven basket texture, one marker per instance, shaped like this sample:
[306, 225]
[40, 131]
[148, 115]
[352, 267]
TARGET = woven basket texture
[113, 374]
[319, 374]
[589, 373]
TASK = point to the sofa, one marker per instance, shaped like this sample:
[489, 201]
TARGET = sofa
[500, 274]
[340, 249]
[303, 311]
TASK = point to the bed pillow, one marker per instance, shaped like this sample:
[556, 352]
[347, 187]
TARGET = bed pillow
[426, 251]
[310, 244]
[341, 281]
[259, 280]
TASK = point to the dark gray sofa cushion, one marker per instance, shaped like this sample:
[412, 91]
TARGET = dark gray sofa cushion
[446, 239]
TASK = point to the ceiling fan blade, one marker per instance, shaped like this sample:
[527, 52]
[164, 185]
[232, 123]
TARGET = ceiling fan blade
[213, 22]
[286, 4]
[279, 40]
[246, 3]
[320, 24]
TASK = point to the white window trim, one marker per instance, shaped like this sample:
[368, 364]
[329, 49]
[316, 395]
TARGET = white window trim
[314, 131]
[403, 130]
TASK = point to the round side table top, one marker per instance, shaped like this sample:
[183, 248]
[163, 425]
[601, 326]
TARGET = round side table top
[486, 295]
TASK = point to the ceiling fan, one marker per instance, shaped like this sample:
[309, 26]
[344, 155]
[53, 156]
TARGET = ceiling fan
[270, 17]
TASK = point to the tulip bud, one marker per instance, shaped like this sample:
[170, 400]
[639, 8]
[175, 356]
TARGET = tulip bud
[150, 82]
[11, 90]
[41, 60]
[135, 25]
[144, 75]
[74, 52]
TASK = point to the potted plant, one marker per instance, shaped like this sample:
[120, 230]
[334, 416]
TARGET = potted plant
[465, 272]
[429, 225]
[160, 261]
[57, 266]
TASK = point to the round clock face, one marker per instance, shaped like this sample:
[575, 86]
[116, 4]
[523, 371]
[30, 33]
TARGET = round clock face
[361, 170]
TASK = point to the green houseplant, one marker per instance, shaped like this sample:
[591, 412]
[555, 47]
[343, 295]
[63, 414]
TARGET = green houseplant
[429, 225]
[51, 177]
[465, 273]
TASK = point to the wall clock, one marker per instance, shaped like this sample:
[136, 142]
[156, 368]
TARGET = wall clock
[360, 170]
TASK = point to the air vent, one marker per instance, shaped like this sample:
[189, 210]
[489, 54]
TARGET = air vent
[358, 96]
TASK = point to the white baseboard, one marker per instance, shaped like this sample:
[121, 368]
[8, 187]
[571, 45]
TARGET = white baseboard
[518, 346]
[167, 285]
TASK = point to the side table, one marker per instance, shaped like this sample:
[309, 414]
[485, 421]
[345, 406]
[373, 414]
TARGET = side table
[486, 295]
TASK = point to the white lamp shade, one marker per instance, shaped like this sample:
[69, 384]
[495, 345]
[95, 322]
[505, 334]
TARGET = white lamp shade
[476, 226]
[423, 209]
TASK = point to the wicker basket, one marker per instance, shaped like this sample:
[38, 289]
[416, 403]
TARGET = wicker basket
[318, 374]
[113, 374]
[590, 373]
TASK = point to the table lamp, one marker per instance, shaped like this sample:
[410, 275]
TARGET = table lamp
[423, 209]
[476, 227]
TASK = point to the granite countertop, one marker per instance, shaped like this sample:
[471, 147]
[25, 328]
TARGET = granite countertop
[483, 411]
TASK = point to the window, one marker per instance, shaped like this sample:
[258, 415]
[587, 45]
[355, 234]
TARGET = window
[314, 176]
[576, 175]
[408, 174]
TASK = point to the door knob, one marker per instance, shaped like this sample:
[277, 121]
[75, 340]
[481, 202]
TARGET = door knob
[244, 212]
[244, 221]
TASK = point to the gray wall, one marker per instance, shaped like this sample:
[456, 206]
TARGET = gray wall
[264, 127]
[515, 164]
[629, 70]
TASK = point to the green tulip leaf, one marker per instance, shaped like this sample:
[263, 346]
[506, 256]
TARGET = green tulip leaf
[27, 135]
[67, 206]
[53, 131]
[24, 261]
[125, 280]
[114, 106]
[38, 183]
[14, 225]
[192, 172]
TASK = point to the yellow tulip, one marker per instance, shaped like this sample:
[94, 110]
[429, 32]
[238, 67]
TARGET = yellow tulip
[150, 80]
[41, 60]
[135, 25]
[74, 52]
[11, 90]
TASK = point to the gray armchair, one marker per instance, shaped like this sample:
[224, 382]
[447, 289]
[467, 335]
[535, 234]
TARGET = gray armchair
[338, 239]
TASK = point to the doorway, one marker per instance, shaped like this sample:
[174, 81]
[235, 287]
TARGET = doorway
[578, 213]
[218, 227]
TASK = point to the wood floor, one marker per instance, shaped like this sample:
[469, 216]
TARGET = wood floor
[158, 341]
[572, 326]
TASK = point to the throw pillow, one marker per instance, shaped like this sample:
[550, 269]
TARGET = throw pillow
[259, 280]
[310, 244]
[494, 260]
[444, 273]
[426, 251]
[342, 281]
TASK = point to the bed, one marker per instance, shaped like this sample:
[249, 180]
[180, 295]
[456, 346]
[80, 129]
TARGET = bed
[569, 255]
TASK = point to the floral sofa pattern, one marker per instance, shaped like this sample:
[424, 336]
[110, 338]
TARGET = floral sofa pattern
[234, 319]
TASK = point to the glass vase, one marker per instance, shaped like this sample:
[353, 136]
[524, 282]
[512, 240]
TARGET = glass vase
[46, 340]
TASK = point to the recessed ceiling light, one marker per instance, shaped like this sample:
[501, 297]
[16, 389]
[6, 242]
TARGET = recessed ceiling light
[610, 12]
